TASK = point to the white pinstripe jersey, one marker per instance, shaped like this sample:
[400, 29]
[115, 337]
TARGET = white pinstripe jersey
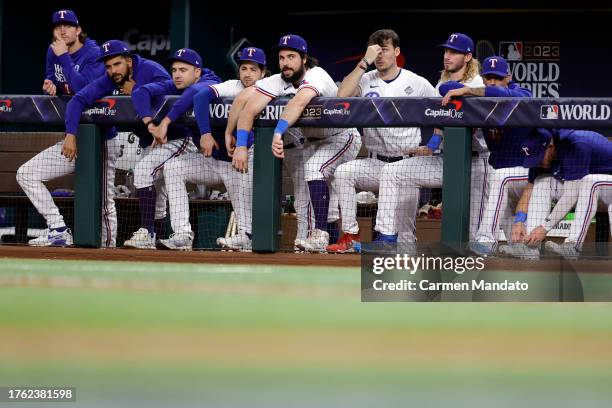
[315, 79]
[393, 141]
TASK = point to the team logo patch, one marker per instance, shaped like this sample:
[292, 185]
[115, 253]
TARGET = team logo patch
[6, 105]
[511, 50]
[549, 112]
[408, 90]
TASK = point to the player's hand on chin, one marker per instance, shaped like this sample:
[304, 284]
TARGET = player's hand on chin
[277, 146]
[240, 159]
[69, 148]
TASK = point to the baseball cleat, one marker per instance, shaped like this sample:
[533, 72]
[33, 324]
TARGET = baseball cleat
[383, 244]
[520, 250]
[53, 237]
[482, 248]
[345, 245]
[181, 241]
[141, 239]
[567, 249]
[240, 241]
[317, 242]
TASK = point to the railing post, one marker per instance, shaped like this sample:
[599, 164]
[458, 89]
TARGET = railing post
[456, 187]
[88, 187]
[266, 194]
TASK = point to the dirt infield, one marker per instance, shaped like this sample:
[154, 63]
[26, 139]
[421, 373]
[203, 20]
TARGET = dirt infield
[280, 258]
[217, 257]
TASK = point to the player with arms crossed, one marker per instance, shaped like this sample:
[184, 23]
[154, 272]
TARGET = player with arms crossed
[324, 150]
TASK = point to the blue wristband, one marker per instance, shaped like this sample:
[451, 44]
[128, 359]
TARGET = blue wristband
[434, 142]
[242, 137]
[520, 217]
[281, 126]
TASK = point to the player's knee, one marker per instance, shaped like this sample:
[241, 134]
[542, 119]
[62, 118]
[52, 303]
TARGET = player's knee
[25, 174]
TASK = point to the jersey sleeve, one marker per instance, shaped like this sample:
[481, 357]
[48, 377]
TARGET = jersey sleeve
[227, 89]
[142, 96]
[364, 82]
[83, 99]
[271, 86]
[577, 161]
[315, 81]
[185, 102]
[427, 89]
[49, 69]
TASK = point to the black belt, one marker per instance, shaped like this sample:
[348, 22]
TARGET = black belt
[387, 159]
[294, 145]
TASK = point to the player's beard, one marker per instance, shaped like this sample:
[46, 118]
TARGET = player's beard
[295, 77]
[123, 80]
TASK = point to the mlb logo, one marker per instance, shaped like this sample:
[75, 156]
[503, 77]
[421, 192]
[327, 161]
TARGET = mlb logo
[511, 50]
[549, 112]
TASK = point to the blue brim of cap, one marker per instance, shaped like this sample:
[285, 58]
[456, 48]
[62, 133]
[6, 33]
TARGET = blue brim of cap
[534, 161]
[454, 48]
[249, 60]
[286, 47]
[498, 73]
[172, 59]
[107, 56]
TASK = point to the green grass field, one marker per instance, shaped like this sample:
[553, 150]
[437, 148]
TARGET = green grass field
[152, 334]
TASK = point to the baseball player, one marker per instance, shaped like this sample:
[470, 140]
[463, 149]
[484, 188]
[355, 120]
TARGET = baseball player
[324, 149]
[213, 165]
[385, 145]
[125, 72]
[506, 176]
[170, 140]
[71, 57]
[71, 64]
[293, 164]
[400, 182]
[573, 167]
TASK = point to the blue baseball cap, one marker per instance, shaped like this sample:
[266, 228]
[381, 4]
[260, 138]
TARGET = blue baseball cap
[113, 48]
[65, 17]
[459, 42]
[495, 65]
[253, 54]
[292, 42]
[187, 55]
[534, 147]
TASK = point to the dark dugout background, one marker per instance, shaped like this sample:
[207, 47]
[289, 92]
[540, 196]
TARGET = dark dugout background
[561, 51]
